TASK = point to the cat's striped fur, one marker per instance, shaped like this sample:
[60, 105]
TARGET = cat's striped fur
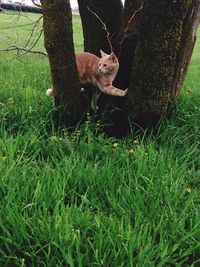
[97, 71]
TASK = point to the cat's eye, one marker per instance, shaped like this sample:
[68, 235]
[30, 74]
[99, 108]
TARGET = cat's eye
[104, 65]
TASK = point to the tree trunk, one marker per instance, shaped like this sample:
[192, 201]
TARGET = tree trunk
[127, 40]
[110, 13]
[155, 47]
[162, 55]
[57, 25]
[126, 45]
[95, 38]
[188, 41]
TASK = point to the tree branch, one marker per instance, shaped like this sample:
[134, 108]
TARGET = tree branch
[33, 1]
[104, 28]
[27, 50]
[23, 48]
[129, 23]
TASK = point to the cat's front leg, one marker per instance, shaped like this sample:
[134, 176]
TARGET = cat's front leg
[111, 90]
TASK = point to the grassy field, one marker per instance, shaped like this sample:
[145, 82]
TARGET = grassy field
[84, 200]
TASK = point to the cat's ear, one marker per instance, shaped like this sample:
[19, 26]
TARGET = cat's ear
[113, 57]
[103, 54]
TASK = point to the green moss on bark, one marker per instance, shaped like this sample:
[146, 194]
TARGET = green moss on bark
[158, 45]
[58, 39]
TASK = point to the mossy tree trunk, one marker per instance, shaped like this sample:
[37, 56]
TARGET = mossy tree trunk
[154, 50]
[188, 41]
[58, 39]
[154, 53]
[165, 42]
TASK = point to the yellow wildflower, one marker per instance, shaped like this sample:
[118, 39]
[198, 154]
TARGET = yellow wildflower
[130, 151]
[10, 101]
[188, 190]
[115, 145]
[53, 138]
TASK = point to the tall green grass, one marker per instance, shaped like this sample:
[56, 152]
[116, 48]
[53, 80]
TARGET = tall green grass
[84, 200]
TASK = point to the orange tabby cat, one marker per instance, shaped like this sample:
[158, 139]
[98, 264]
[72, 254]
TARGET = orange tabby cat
[97, 71]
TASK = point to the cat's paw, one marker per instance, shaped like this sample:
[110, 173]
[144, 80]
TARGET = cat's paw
[82, 90]
[50, 92]
[123, 92]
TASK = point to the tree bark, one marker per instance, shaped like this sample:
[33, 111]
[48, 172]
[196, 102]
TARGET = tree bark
[162, 56]
[127, 40]
[58, 39]
[188, 41]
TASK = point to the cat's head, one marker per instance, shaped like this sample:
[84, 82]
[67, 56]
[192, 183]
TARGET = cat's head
[108, 64]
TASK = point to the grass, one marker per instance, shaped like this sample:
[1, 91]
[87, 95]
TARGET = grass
[82, 199]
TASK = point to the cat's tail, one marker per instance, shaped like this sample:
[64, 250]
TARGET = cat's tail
[50, 92]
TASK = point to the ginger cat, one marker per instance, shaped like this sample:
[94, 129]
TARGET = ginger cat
[97, 71]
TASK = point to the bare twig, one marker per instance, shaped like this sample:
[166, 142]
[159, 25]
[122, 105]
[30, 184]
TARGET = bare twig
[4, 39]
[109, 38]
[16, 26]
[25, 49]
[17, 14]
[104, 28]
[36, 4]
[32, 31]
[129, 22]
[20, 49]
[17, 37]
[126, 28]
[34, 44]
